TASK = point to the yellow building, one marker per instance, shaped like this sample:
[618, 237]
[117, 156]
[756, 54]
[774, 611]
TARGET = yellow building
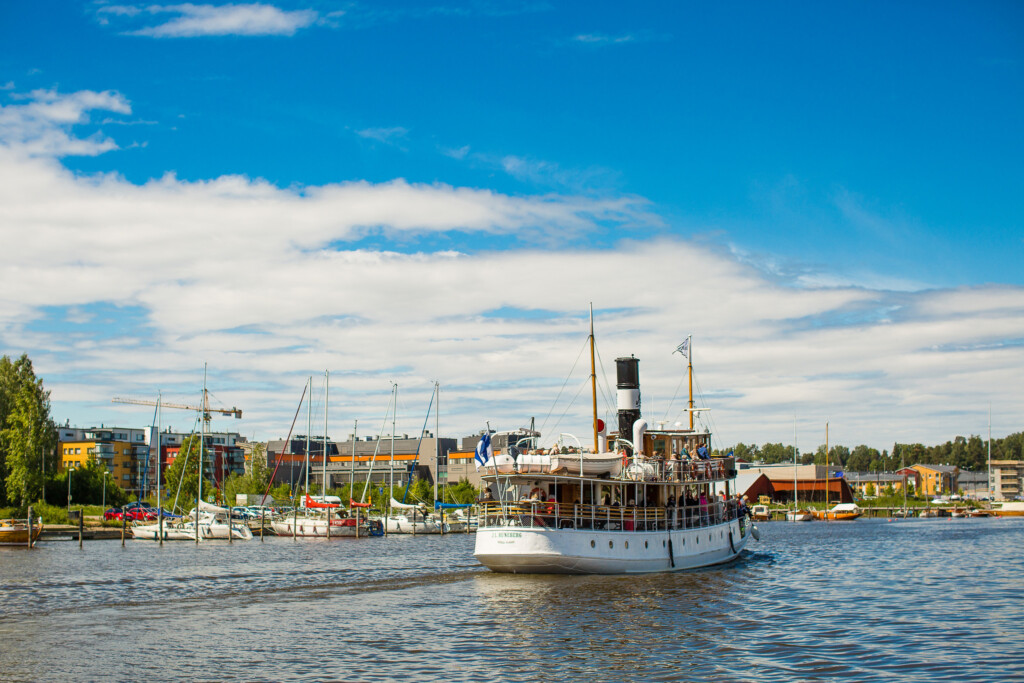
[937, 480]
[122, 451]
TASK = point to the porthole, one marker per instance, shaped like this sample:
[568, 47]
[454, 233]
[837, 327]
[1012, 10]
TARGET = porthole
[627, 545]
[709, 537]
[611, 544]
[663, 544]
[592, 544]
[698, 540]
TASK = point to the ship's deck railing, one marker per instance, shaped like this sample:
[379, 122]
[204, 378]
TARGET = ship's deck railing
[550, 515]
[680, 471]
[638, 469]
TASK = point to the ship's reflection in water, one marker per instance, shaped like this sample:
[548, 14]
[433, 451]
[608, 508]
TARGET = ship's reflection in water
[869, 600]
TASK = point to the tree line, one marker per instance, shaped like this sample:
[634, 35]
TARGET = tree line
[967, 453]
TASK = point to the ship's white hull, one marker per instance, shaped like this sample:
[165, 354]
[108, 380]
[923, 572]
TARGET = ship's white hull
[528, 550]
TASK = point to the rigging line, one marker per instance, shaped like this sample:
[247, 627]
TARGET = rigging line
[609, 403]
[583, 386]
[376, 449]
[568, 377]
[183, 470]
[675, 395]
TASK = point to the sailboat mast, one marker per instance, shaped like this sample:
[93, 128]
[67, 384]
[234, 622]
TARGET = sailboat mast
[309, 427]
[437, 435]
[160, 502]
[593, 378]
[352, 464]
[826, 470]
[991, 494]
[796, 491]
[327, 394]
[391, 474]
[689, 361]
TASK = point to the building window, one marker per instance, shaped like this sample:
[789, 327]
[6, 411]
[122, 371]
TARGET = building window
[78, 451]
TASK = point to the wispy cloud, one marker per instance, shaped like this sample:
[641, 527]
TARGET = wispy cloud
[190, 20]
[390, 136]
[603, 39]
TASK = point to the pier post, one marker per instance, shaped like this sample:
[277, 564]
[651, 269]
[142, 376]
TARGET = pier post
[263, 522]
[29, 527]
[357, 519]
[328, 520]
[295, 524]
[81, 525]
[160, 523]
[124, 525]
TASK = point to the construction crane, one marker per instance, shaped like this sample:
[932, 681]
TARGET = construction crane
[205, 410]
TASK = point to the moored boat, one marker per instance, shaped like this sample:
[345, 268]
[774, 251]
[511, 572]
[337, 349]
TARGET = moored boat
[17, 531]
[1009, 509]
[799, 516]
[839, 513]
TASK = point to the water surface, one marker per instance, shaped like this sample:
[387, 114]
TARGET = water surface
[915, 600]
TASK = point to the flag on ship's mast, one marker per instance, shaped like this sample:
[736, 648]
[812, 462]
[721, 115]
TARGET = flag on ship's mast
[483, 451]
[684, 348]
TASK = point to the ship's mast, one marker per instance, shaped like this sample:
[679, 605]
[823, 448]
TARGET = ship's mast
[593, 379]
[689, 361]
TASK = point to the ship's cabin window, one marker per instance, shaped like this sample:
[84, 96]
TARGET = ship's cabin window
[658, 446]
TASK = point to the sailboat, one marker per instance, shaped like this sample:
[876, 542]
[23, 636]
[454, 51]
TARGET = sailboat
[796, 514]
[576, 520]
[842, 511]
[319, 518]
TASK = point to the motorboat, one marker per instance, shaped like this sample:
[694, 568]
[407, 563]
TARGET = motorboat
[839, 513]
[17, 531]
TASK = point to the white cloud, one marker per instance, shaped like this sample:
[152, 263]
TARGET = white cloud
[191, 20]
[42, 125]
[602, 39]
[386, 135]
[257, 281]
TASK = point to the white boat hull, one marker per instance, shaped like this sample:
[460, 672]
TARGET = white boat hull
[528, 550]
[403, 525]
[219, 532]
[313, 528]
[151, 532]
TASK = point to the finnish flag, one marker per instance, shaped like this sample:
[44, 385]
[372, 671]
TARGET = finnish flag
[483, 451]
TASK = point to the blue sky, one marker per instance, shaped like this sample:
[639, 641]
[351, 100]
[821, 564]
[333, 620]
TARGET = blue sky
[783, 178]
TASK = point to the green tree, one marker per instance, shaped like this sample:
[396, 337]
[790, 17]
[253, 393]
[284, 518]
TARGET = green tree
[28, 437]
[183, 473]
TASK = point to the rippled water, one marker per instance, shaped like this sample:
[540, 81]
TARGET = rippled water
[928, 600]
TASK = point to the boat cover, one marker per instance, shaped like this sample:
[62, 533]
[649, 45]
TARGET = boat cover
[352, 502]
[438, 505]
[403, 506]
[310, 503]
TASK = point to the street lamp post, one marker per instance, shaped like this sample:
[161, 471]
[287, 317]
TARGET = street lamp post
[105, 473]
[69, 489]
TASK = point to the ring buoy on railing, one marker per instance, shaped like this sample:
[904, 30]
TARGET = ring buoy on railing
[625, 458]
